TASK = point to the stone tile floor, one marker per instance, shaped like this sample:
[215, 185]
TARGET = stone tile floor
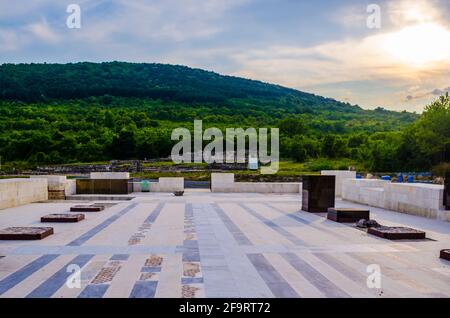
[218, 245]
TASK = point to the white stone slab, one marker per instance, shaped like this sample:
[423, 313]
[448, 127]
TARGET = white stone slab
[110, 175]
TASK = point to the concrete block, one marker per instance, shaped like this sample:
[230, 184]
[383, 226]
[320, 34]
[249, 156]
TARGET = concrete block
[340, 175]
[222, 182]
[167, 184]
[110, 175]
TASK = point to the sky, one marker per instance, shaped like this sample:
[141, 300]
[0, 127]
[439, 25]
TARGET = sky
[323, 47]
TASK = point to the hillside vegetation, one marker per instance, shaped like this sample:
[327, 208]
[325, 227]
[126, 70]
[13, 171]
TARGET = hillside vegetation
[62, 113]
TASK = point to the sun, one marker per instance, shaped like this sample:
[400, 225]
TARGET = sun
[419, 45]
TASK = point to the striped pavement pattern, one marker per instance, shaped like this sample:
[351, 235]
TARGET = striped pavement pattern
[218, 246]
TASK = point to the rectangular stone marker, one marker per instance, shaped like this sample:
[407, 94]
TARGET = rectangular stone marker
[447, 191]
[63, 218]
[318, 193]
[445, 254]
[397, 233]
[25, 233]
[87, 208]
[347, 215]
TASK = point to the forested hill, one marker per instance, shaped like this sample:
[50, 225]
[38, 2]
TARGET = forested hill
[44, 82]
[86, 112]
[38, 82]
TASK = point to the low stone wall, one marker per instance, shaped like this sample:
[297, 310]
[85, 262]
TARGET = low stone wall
[268, 187]
[15, 192]
[411, 198]
[109, 175]
[164, 184]
[340, 175]
[224, 182]
[415, 198]
[56, 186]
[355, 189]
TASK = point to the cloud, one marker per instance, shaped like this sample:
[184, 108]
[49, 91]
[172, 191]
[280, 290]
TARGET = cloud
[428, 94]
[405, 12]
[43, 31]
[439, 92]
[9, 41]
[350, 62]
[351, 16]
[162, 20]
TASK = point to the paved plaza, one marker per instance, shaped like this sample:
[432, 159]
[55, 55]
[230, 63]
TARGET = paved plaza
[217, 245]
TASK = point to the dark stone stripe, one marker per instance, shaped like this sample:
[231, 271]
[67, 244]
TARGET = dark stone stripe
[95, 230]
[292, 216]
[120, 257]
[191, 280]
[303, 221]
[18, 276]
[144, 289]
[151, 269]
[98, 290]
[276, 283]
[94, 291]
[189, 211]
[238, 235]
[341, 267]
[272, 225]
[154, 215]
[57, 280]
[191, 251]
[314, 277]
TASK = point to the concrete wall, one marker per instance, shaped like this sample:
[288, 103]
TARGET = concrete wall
[340, 175]
[110, 175]
[165, 184]
[54, 182]
[267, 187]
[15, 192]
[168, 185]
[224, 182]
[411, 198]
[58, 186]
[355, 189]
[71, 187]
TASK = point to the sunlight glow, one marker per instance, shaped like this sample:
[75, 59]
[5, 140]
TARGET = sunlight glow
[419, 45]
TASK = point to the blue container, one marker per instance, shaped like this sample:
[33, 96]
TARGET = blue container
[145, 186]
[400, 178]
[387, 178]
[358, 176]
[410, 179]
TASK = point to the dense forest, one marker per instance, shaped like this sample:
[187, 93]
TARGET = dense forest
[84, 112]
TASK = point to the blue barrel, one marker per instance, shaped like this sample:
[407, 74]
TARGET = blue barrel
[400, 178]
[387, 178]
[358, 176]
[410, 179]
